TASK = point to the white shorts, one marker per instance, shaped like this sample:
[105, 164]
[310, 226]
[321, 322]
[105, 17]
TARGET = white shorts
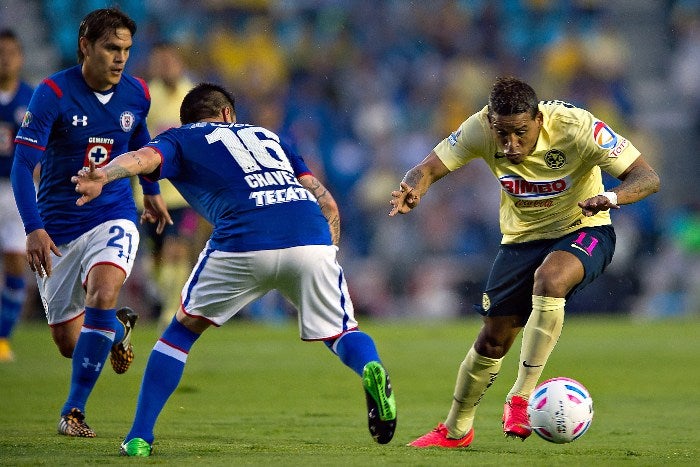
[63, 294]
[309, 277]
[12, 237]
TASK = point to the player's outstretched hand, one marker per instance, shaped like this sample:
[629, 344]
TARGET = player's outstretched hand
[403, 200]
[88, 182]
[594, 205]
[155, 210]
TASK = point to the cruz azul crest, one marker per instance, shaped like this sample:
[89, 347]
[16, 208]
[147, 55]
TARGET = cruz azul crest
[126, 121]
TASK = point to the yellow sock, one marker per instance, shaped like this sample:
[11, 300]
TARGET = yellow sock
[475, 376]
[540, 335]
[6, 354]
[171, 279]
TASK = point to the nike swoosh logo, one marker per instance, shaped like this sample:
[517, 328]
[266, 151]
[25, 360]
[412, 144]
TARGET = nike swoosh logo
[530, 366]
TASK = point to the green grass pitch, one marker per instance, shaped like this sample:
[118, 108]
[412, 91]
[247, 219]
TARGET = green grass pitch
[254, 394]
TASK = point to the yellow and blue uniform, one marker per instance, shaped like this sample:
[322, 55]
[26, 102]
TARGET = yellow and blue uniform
[538, 207]
[539, 196]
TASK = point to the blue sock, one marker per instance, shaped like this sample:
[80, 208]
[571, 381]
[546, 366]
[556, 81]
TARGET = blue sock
[90, 355]
[118, 330]
[11, 304]
[163, 372]
[355, 349]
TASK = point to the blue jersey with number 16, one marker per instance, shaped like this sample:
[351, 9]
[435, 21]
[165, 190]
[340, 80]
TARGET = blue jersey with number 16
[243, 180]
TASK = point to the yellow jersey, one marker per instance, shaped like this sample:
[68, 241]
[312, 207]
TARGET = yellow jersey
[165, 114]
[539, 196]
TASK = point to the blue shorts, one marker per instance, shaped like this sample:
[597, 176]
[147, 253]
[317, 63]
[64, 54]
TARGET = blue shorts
[509, 288]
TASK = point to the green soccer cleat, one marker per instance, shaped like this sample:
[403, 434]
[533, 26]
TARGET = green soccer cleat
[122, 353]
[136, 447]
[381, 404]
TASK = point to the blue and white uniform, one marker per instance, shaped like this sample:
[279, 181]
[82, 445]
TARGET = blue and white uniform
[67, 126]
[12, 109]
[269, 231]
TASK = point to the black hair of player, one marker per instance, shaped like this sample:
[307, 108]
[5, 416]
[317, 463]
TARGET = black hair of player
[9, 34]
[511, 96]
[205, 100]
[99, 22]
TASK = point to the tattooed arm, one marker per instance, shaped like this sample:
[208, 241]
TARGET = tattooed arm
[416, 183]
[638, 182]
[89, 181]
[329, 208]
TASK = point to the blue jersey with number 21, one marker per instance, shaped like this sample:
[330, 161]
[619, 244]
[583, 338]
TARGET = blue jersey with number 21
[67, 126]
[243, 180]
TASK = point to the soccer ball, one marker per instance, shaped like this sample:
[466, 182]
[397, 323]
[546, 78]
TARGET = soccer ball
[560, 410]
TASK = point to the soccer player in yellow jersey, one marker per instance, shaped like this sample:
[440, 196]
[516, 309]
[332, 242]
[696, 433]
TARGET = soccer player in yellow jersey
[557, 234]
[173, 251]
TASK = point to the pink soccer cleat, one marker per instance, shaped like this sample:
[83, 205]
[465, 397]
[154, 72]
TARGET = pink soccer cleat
[438, 438]
[516, 423]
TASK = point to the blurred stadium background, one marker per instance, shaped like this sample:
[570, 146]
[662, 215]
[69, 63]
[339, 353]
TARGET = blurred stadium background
[365, 88]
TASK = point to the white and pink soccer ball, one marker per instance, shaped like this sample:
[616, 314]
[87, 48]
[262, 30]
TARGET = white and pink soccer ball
[560, 410]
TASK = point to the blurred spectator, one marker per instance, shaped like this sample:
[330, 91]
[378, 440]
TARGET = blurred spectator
[671, 279]
[174, 251]
[14, 98]
[64, 16]
[685, 62]
[362, 88]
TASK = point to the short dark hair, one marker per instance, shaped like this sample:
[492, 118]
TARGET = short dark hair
[99, 22]
[205, 100]
[9, 34]
[510, 96]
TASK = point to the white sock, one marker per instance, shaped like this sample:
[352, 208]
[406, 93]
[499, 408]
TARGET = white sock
[540, 335]
[475, 376]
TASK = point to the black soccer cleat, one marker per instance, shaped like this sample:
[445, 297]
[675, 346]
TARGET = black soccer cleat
[122, 353]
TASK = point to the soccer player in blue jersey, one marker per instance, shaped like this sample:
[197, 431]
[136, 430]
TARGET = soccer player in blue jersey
[275, 227]
[557, 234]
[78, 117]
[14, 98]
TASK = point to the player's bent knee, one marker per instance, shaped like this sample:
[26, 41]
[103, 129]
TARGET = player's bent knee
[551, 284]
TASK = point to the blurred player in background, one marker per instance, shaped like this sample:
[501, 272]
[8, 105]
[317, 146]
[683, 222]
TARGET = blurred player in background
[557, 234]
[14, 98]
[80, 116]
[173, 250]
[275, 227]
